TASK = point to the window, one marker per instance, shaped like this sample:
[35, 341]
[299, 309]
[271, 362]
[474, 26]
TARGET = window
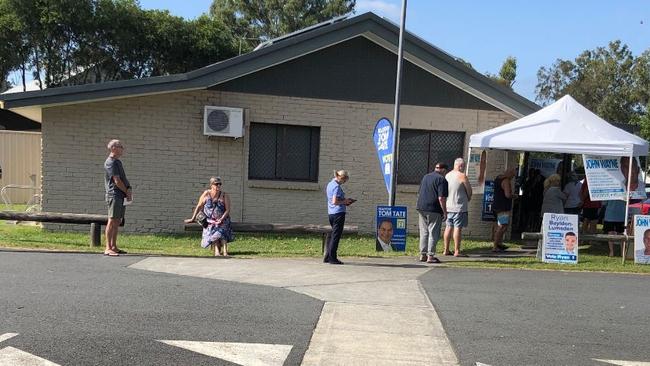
[420, 150]
[283, 152]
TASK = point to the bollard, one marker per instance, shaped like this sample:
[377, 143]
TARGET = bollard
[95, 234]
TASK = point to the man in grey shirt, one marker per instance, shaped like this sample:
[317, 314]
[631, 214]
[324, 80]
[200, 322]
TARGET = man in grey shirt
[460, 192]
[117, 190]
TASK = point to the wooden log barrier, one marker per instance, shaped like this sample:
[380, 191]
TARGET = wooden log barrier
[95, 221]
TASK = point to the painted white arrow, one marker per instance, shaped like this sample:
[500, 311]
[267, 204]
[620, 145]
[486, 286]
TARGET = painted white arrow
[245, 354]
[15, 357]
[4, 337]
[623, 363]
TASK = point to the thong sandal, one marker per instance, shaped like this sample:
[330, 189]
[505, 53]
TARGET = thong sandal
[434, 260]
[111, 254]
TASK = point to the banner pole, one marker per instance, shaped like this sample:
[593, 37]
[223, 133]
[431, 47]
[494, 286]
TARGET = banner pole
[398, 91]
[627, 205]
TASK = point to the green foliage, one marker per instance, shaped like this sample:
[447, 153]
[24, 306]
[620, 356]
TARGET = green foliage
[260, 20]
[609, 81]
[507, 73]
[69, 42]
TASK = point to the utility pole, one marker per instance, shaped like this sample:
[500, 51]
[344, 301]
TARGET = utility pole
[398, 92]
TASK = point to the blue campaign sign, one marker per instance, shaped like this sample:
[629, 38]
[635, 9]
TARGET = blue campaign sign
[383, 138]
[488, 200]
[391, 228]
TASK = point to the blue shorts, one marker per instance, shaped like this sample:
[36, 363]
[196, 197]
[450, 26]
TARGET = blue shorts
[457, 219]
[503, 218]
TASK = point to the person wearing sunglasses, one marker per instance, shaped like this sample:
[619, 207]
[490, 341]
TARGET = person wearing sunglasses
[214, 204]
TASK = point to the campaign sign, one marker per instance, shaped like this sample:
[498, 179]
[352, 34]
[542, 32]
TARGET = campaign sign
[547, 167]
[476, 170]
[383, 138]
[607, 177]
[560, 238]
[391, 228]
[642, 239]
[488, 200]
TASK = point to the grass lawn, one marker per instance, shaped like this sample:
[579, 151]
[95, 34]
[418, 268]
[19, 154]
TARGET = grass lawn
[592, 257]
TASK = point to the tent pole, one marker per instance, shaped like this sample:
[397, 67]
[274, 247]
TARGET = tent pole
[469, 156]
[627, 205]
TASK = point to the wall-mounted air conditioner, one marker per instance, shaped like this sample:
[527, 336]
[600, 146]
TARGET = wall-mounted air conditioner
[223, 121]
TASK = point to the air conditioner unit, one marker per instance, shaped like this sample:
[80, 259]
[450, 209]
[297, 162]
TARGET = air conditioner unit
[223, 121]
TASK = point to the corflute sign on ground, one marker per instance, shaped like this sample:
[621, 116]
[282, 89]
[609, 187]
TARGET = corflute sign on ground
[560, 238]
[642, 239]
[391, 228]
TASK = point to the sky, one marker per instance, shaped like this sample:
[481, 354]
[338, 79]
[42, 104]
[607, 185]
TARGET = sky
[484, 33]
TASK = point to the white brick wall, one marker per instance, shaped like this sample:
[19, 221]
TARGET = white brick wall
[168, 160]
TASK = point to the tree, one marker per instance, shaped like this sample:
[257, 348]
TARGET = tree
[507, 73]
[609, 81]
[267, 19]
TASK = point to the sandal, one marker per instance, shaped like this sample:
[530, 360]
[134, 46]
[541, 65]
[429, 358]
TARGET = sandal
[433, 260]
[447, 253]
[111, 253]
[461, 255]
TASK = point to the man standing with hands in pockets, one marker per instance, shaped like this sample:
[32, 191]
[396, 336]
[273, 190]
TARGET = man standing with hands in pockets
[117, 190]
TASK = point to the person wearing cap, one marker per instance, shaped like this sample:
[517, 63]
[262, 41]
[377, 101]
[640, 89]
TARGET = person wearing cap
[118, 190]
[432, 211]
[336, 207]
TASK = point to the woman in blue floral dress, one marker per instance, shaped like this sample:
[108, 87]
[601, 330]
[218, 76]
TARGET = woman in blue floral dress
[215, 204]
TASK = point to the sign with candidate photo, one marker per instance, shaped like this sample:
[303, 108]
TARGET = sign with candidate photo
[391, 228]
[560, 238]
[642, 239]
[607, 177]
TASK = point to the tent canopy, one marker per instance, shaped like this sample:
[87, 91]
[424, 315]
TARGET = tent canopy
[562, 127]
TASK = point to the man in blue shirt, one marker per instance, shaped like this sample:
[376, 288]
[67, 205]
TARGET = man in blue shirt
[336, 205]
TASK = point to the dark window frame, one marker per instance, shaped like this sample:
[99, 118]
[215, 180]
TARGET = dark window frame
[282, 157]
[431, 161]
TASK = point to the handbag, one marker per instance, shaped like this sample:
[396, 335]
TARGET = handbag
[201, 219]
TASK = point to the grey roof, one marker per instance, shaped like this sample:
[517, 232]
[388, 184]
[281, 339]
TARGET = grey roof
[280, 50]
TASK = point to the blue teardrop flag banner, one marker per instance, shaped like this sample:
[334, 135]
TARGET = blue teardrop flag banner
[383, 137]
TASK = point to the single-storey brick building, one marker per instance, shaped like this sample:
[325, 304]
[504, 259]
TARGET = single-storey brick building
[309, 103]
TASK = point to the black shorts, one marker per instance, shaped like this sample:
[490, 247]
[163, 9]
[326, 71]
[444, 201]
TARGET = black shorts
[609, 226]
[590, 213]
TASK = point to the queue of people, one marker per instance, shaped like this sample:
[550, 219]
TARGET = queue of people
[443, 196]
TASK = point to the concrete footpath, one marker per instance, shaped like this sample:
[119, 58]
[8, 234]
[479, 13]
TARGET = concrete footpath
[376, 311]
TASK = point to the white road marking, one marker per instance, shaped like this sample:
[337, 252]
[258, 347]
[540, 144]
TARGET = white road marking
[245, 354]
[4, 337]
[15, 357]
[623, 363]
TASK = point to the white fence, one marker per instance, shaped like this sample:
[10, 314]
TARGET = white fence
[20, 159]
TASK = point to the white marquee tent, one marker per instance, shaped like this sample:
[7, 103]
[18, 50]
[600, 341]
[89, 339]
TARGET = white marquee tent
[562, 127]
